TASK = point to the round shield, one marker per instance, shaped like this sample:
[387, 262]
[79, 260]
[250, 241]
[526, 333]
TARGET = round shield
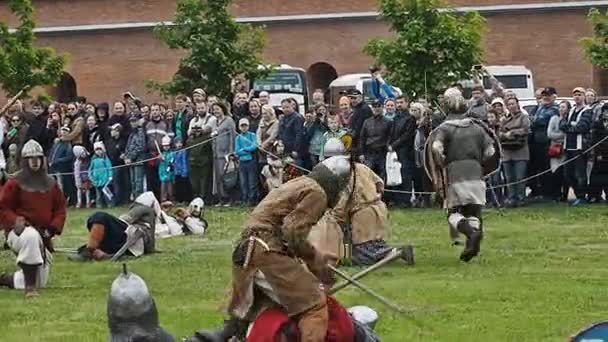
[598, 332]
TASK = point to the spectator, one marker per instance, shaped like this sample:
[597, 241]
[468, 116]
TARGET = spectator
[264, 98]
[200, 153]
[273, 173]
[119, 116]
[223, 146]
[92, 134]
[76, 125]
[17, 134]
[361, 112]
[169, 118]
[89, 109]
[182, 191]
[540, 144]
[381, 89]
[60, 162]
[199, 96]
[594, 104]
[245, 147]
[102, 116]
[498, 105]
[180, 124]
[402, 142]
[81, 177]
[53, 123]
[156, 129]
[478, 107]
[145, 112]
[559, 192]
[494, 192]
[374, 140]
[334, 130]
[254, 117]
[318, 97]
[290, 130]
[390, 110]
[115, 147]
[166, 170]
[135, 154]
[314, 131]
[321, 111]
[100, 172]
[268, 130]
[240, 107]
[422, 183]
[345, 114]
[37, 126]
[599, 173]
[513, 135]
[577, 127]
[211, 100]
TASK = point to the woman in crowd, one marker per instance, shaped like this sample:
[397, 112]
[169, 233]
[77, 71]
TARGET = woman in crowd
[102, 115]
[223, 146]
[556, 153]
[54, 122]
[345, 114]
[268, 130]
[92, 134]
[390, 109]
[255, 115]
[313, 133]
[513, 135]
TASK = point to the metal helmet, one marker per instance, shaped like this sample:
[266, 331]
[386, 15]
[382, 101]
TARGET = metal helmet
[333, 175]
[364, 314]
[338, 165]
[132, 314]
[455, 102]
[32, 149]
[334, 147]
[196, 207]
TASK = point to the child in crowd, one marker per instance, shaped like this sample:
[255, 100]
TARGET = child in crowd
[166, 171]
[494, 196]
[60, 160]
[100, 173]
[81, 177]
[12, 165]
[334, 131]
[135, 152]
[182, 181]
[245, 147]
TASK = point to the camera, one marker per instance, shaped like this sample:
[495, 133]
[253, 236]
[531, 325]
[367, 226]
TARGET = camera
[477, 67]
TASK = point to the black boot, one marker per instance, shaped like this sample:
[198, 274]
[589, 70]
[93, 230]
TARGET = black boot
[231, 328]
[407, 254]
[30, 277]
[6, 279]
[83, 254]
[474, 236]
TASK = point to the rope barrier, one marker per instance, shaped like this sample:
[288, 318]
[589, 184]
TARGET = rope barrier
[565, 162]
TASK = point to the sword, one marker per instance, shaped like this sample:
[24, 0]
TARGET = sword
[398, 253]
[366, 290]
[13, 100]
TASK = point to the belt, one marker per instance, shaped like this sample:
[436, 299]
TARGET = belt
[251, 247]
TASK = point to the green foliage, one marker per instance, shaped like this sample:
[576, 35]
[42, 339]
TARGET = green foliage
[21, 63]
[596, 47]
[217, 48]
[432, 48]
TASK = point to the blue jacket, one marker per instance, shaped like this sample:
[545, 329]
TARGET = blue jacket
[245, 145]
[577, 126]
[383, 91]
[100, 171]
[60, 157]
[180, 161]
[540, 122]
[166, 168]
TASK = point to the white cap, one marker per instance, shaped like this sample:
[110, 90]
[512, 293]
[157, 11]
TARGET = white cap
[498, 100]
[79, 150]
[166, 141]
[244, 121]
[99, 146]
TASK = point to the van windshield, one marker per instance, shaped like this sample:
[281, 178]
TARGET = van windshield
[509, 81]
[282, 81]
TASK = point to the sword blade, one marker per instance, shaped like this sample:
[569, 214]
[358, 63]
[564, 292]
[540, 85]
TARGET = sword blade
[396, 254]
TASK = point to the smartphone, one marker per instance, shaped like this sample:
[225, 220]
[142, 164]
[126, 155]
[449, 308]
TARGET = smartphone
[477, 67]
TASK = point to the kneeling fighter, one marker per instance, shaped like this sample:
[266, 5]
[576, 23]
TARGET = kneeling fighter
[32, 211]
[273, 241]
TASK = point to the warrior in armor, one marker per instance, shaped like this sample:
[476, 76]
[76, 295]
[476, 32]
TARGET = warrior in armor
[354, 228]
[32, 212]
[267, 259]
[459, 153]
[132, 313]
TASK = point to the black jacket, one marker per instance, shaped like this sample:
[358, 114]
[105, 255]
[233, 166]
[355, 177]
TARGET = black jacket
[403, 134]
[361, 112]
[375, 135]
[114, 148]
[38, 132]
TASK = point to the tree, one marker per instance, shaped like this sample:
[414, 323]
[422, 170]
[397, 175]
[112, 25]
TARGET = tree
[433, 47]
[596, 47]
[21, 63]
[218, 48]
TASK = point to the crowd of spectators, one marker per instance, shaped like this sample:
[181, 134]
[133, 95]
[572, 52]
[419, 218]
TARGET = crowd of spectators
[231, 152]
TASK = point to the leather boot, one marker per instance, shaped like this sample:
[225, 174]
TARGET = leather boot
[30, 277]
[6, 279]
[231, 328]
[474, 236]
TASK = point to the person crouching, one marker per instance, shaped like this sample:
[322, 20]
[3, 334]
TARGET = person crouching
[32, 212]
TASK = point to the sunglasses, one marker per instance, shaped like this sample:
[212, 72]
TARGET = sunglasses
[71, 108]
[15, 120]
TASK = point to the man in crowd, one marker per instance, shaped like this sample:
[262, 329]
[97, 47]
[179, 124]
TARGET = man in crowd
[273, 241]
[461, 146]
[478, 107]
[37, 127]
[199, 96]
[200, 154]
[539, 143]
[156, 129]
[577, 127]
[32, 212]
[318, 97]
[402, 142]
[374, 139]
[264, 98]
[361, 112]
[291, 130]
[240, 109]
[180, 124]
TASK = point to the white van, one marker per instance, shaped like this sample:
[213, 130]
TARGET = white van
[284, 81]
[362, 82]
[516, 78]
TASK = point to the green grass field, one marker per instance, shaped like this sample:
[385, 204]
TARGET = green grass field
[541, 277]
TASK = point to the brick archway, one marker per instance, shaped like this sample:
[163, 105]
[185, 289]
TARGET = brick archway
[65, 90]
[320, 75]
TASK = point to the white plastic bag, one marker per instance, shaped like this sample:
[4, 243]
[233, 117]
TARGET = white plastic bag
[393, 169]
